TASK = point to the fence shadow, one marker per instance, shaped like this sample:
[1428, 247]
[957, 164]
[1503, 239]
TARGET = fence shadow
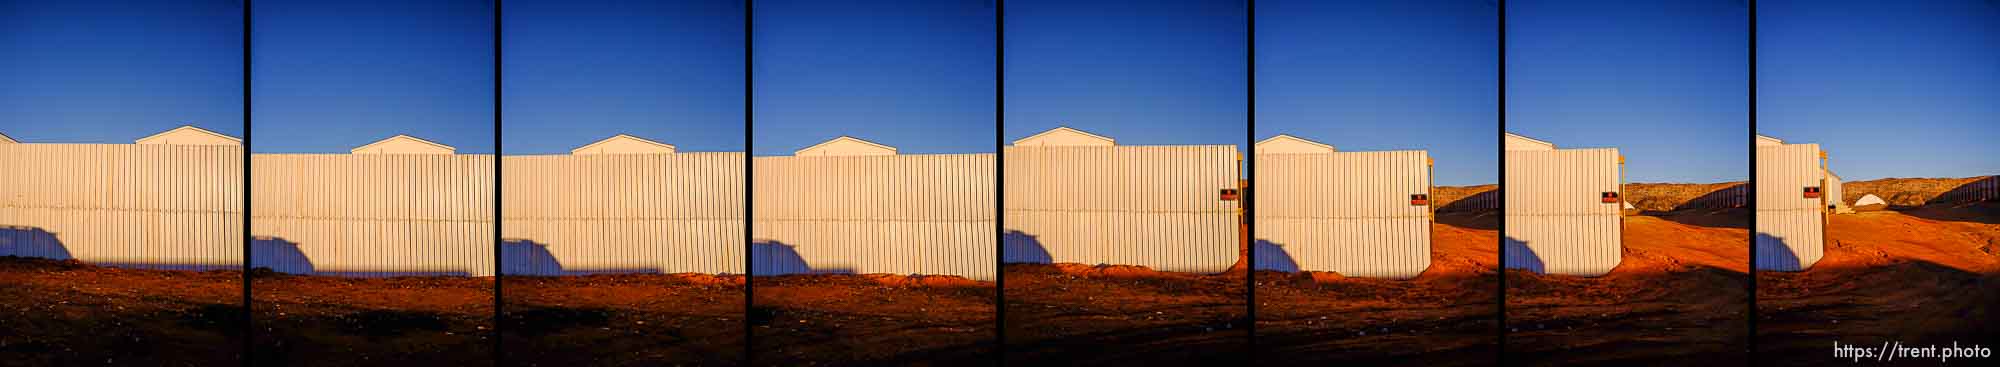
[35, 242]
[1738, 218]
[533, 258]
[1019, 247]
[1272, 256]
[284, 256]
[1482, 220]
[777, 258]
[1519, 256]
[26, 241]
[527, 257]
[280, 255]
[1772, 254]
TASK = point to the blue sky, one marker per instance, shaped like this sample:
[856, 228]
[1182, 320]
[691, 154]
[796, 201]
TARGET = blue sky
[1888, 88]
[578, 71]
[1165, 72]
[1385, 75]
[328, 76]
[913, 74]
[1665, 82]
[115, 71]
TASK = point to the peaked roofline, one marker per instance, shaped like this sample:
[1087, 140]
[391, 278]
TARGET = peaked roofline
[1289, 136]
[844, 137]
[615, 137]
[189, 127]
[1065, 128]
[420, 140]
[8, 139]
[1518, 136]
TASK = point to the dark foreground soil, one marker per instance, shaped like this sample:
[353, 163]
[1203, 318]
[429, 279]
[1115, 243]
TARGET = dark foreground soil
[1070, 314]
[622, 320]
[1444, 317]
[871, 320]
[1919, 277]
[1679, 296]
[66, 313]
[336, 321]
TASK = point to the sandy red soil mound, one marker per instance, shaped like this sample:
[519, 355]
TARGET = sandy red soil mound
[66, 313]
[1680, 294]
[871, 320]
[1920, 277]
[337, 321]
[1444, 317]
[622, 320]
[1070, 314]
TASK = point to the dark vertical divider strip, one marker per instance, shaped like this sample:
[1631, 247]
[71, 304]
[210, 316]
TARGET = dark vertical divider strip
[249, 321]
[1249, 196]
[498, 151]
[1500, 327]
[1750, 341]
[749, 175]
[999, 182]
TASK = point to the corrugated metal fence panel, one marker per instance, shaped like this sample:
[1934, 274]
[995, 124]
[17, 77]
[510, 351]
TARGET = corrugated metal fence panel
[653, 213]
[1984, 189]
[1153, 206]
[1833, 198]
[1790, 227]
[145, 206]
[1729, 197]
[1348, 213]
[898, 214]
[373, 215]
[1556, 220]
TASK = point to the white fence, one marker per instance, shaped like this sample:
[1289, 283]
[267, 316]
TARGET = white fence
[1791, 228]
[372, 215]
[146, 206]
[622, 213]
[1558, 221]
[1351, 213]
[1153, 206]
[896, 214]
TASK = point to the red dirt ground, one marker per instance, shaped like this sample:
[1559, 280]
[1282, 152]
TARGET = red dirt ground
[1070, 314]
[66, 313]
[871, 320]
[335, 321]
[1920, 277]
[1680, 295]
[622, 320]
[1444, 317]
